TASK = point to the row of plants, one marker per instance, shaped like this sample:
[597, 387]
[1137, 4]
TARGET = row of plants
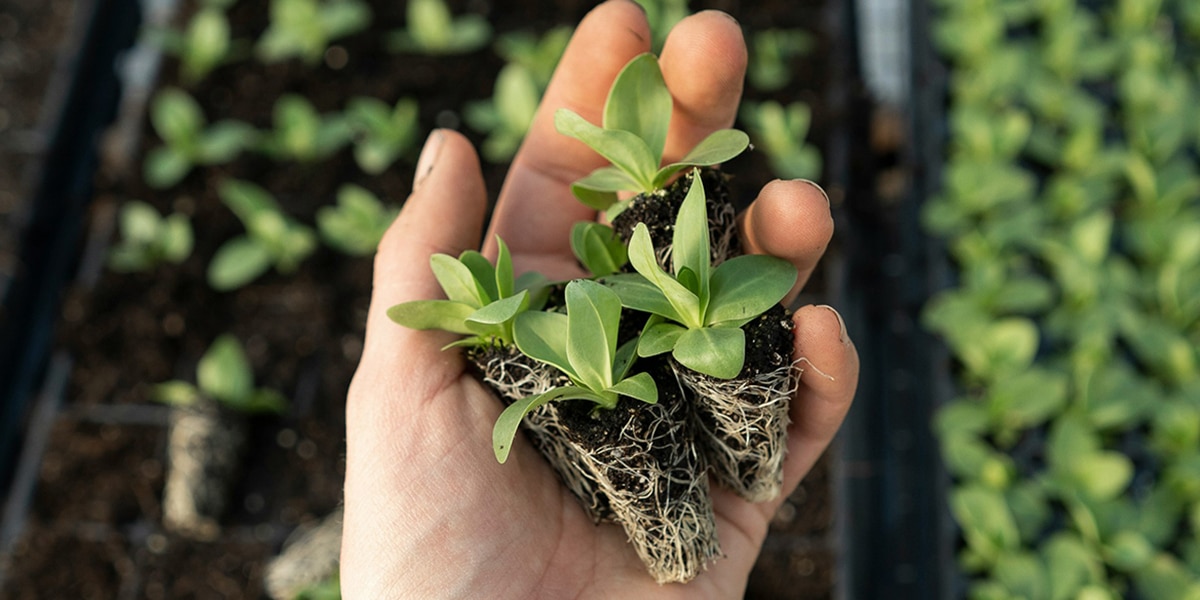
[166, 234]
[1070, 205]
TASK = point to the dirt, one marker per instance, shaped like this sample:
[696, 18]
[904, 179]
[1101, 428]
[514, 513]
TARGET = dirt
[98, 501]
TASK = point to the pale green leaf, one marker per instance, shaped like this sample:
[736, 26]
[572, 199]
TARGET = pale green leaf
[501, 311]
[598, 248]
[598, 190]
[432, 314]
[223, 373]
[638, 293]
[639, 387]
[639, 102]
[484, 273]
[686, 305]
[237, 262]
[176, 117]
[746, 286]
[176, 393]
[594, 313]
[164, 167]
[718, 147]
[717, 352]
[504, 271]
[689, 243]
[543, 336]
[623, 149]
[457, 280]
[659, 338]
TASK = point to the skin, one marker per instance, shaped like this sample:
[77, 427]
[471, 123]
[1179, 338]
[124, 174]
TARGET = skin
[428, 511]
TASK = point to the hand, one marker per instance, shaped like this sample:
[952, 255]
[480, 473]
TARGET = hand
[429, 512]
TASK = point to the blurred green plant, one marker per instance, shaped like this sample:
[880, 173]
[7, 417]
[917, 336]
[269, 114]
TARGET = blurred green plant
[304, 29]
[190, 141]
[430, 28]
[204, 44]
[781, 132]
[507, 115]
[381, 133]
[662, 16]
[771, 54]
[148, 239]
[272, 238]
[302, 134]
[329, 589]
[357, 223]
[223, 375]
[539, 54]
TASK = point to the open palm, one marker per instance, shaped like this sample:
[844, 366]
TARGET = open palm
[429, 512]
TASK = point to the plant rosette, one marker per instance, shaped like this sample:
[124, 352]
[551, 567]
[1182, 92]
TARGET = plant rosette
[207, 436]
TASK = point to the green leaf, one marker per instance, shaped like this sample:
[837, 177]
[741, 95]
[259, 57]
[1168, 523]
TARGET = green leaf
[176, 393]
[686, 305]
[718, 352]
[718, 147]
[501, 311]
[484, 273]
[598, 248]
[639, 102]
[593, 314]
[639, 387]
[246, 200]
[504, 270]
[238, 262]
[689, 242]
[458, 280]
[223, 373]
[164, 167]
[260, 401]
[433, 314]
[177, 238]
[659, 338]
[176, 117]
[986, 522]
[623, 149]
[223, 141]
[746, 286]
[638, 293]
[510, 419]
[543, 336]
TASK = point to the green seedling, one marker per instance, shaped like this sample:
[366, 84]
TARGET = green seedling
[662, 15]
[148, 239]
[223, 375]
[272, 238]
[381, 133]
[357, 223]
[771, 53]
[431, 29]
[507, 115]
[326, 589]
[304, 29]
[482, 299]
[538, 54]
[598, 248]
[301, 133]
[781, 132]
[704, 307]
[179, 121]
[633, 136]
[203, 45]
[583, 345]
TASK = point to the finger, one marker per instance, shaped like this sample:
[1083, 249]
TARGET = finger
[703, 62]
[536, 196]
[791, 220]
[444, 214]
[826, 390]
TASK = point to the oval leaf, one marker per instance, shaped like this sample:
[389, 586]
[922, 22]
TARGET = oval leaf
[640, 103]
[717, 148]
[593, 314]
[501, 311]
[458, 280]
[716, 352]
[432, 314]
[236, 263]
[658, 339]
[639, 294]
[623, 149]
[686, 305]
[543, 336]
[639, 387]
[746, 286]
[689, 243]
[223, 373]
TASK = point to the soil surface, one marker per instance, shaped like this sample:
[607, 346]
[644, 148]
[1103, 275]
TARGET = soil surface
[98, 503]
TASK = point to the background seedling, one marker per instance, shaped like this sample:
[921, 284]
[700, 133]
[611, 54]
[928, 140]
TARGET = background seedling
[223, 375]
[357, 223]
[303, 29]
[781, 131]
[431, 29]
[382, 133]
[148, 239]
[771, 54]
[177, 119]
[302, 134]
[598, 248]
[538, 54]
[204, 44]
[272, 239]
[506, 116]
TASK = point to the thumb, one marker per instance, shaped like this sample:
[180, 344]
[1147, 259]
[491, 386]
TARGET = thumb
[444, 214]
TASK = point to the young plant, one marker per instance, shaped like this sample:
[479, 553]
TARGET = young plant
[180, 123]
[781, 132]
[223, 375]
[633, 136]
[431, 29]
[381, 132]
[583, 345]
[538, 54]
[302, 134]
[662, 16]
[304, 28]
[272, 238]
[357, 223]
[598, 248]
[704, 307]
[148, 240]
[771, 51]
[482, 299]
[506, 116]
[203, 45]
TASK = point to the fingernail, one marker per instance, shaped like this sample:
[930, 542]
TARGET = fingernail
[843, 335]
[429, 155]
[819, 188]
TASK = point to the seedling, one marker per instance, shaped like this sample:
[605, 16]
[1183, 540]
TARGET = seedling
[482, 299]
[357, 223]
[662, 15]
[304, 29]
[770, 54]
[148, 240]
[381, 133]
[203, 45]
[583, 345]
[272, 239]
[302, 134]
[704, 307]
[223, 375]
[633, 136]
[781, 132]
[538, 54]
[598, 248]
[189, 141]
[506, 116]
[431, 29]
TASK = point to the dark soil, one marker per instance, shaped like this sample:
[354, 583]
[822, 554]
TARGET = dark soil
[769, 342]
[658, 211]
[98, 503]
